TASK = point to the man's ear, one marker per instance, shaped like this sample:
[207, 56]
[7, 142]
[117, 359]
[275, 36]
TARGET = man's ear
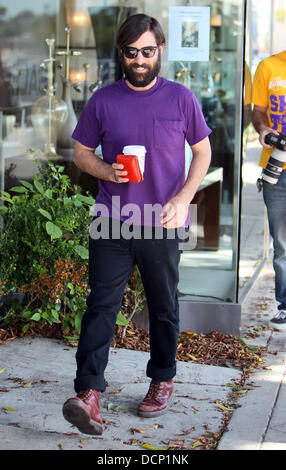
[161, 48]
[120, 54]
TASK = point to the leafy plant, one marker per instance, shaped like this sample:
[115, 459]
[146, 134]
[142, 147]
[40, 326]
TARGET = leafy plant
[44, 248]
[44, 253]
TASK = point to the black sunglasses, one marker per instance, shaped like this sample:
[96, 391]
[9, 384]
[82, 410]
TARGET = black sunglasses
[132, 52]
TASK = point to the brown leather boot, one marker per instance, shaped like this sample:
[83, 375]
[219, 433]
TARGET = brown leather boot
[83, 412]
[157, 400]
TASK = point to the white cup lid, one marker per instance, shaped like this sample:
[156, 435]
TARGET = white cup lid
[130, 149]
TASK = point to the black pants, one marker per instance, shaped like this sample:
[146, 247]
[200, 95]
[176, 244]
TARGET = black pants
[110, 265]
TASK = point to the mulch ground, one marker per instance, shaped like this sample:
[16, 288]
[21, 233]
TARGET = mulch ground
[215, 348]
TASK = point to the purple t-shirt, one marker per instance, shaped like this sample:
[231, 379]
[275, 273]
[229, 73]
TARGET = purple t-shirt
[160, 118]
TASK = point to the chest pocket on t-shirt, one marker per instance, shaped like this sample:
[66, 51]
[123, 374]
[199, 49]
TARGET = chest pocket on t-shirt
[168, 134]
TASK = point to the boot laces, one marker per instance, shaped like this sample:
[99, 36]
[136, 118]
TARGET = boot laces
[85, 394]
[154, 390]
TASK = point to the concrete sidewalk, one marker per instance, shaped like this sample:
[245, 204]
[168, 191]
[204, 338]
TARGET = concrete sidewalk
[260, 422]
[37, 377]
[31, 412]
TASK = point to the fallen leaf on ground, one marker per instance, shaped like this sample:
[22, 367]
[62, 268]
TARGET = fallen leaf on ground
[197, 443]
[134, 430]
[152, 428]
[224, 408]
[133, 442]
[191, 357]
[150, 447]
[186, 432]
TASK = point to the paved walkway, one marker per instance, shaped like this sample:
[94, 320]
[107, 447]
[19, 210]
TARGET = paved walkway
[260, 422]
[37, 377]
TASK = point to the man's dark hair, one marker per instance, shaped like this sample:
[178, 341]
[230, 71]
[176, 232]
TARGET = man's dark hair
[135, 26]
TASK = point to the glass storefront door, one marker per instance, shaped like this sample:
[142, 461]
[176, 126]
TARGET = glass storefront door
[254, 233]
[204, 52]
[208, 269]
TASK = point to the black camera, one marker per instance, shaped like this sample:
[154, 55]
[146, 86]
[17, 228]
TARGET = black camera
[277, 159]
[278, 141]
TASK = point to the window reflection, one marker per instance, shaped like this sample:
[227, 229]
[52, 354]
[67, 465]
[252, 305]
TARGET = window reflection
[23, 30]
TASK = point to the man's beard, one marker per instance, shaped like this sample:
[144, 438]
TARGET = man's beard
[141, 79]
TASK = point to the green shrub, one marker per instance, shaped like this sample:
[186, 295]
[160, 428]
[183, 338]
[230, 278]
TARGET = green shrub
[44, 248]
[44, 254]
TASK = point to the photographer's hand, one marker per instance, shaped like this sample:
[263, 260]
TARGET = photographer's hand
[260, 123]
[263, 134]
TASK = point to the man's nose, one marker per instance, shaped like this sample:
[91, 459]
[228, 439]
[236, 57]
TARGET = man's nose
[140, 59]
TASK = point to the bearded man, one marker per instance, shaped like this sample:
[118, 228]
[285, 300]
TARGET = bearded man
[143, 109]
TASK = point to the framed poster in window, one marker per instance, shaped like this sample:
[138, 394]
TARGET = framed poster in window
[189, 33]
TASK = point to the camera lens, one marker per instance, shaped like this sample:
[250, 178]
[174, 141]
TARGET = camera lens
[276, 162]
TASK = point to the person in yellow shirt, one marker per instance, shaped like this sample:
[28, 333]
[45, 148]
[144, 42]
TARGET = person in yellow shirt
[269, 115]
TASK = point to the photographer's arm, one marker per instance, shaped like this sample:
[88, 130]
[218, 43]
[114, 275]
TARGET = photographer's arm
[87, 161]
[260, 123]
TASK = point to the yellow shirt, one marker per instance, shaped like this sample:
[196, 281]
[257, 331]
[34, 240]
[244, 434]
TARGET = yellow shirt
[247, 85]
[269, 89]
